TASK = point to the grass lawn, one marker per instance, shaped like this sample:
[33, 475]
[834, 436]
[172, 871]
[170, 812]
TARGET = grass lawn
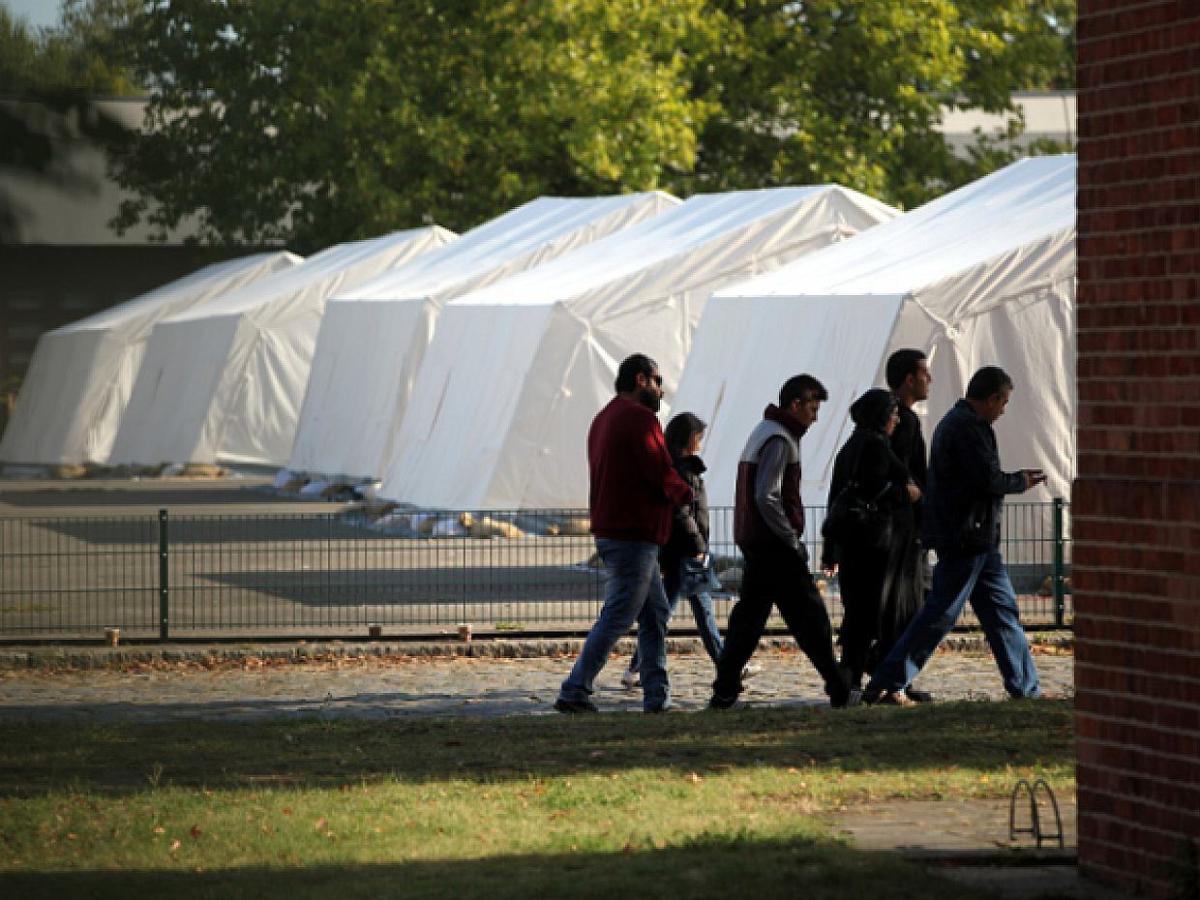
[622, 805]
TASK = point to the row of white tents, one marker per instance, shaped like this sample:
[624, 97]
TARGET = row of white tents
[463, 372]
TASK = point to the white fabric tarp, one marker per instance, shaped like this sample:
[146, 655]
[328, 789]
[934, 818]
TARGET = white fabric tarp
[981, 276]
[372, 339]
[82, 374]
[501, 408]
[223, 383]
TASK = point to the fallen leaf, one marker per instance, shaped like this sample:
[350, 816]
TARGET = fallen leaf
[195, 832]
[176, 844]
[321, 823]
[158, 829]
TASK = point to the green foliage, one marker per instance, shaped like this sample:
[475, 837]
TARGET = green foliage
[84, 54]
[314, 121]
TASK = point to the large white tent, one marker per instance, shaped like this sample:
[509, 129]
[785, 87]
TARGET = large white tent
[373, 338]
[82, 374]
[223, 382]
[516, 372]
[981, 276]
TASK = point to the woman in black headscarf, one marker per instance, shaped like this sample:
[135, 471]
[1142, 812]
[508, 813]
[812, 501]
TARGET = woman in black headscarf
[877, 600]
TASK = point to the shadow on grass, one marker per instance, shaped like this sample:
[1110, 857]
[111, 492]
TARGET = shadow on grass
[312, 753]
[811, 868]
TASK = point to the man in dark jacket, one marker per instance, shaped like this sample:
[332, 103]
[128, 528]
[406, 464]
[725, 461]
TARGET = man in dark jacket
[634, 490]
[909, 378]
[769, 528]
[961, 523]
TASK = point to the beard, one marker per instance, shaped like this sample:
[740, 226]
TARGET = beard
[649, 399]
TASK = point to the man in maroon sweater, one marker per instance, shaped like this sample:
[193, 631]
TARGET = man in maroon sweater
[634, 490]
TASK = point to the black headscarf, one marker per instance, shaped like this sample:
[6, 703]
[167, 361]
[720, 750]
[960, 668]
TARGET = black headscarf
[873, 409]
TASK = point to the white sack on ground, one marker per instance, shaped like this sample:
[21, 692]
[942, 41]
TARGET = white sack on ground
[501, 408]
[223, 383]
[984, 275]
[82, 374]
[373, 339]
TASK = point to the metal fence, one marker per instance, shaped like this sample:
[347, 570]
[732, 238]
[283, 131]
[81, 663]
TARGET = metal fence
[410, 572]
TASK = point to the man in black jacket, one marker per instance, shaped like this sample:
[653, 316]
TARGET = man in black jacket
[961, 523]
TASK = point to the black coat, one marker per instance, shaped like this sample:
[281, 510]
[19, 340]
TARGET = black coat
[867, 458]
[966, 485]
[689, 523]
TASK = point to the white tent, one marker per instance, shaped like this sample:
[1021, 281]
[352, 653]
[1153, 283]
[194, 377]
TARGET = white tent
[81, 375]
[373, 338]
[224, 382]
[981, 276]
[502, 405]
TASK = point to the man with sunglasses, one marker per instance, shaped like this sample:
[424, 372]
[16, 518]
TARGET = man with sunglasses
[633, 490]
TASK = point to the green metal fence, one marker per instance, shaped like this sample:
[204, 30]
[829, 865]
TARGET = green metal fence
[410, 572]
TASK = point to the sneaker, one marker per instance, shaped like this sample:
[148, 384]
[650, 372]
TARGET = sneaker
[918, 696]
[895, 698]
[665, 708]
[750, 670]
[631, 679]
[719, 702]
[575, 706]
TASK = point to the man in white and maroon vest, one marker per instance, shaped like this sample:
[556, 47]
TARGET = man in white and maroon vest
[769, 529]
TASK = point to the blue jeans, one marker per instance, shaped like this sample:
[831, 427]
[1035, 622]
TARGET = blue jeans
[706, 626]
[633, 592]
[984, 581]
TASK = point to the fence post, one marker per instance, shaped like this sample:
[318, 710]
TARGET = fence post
[1059, 599]
[164, 592]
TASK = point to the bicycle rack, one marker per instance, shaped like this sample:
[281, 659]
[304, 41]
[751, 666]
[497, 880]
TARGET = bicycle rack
[1035, 823]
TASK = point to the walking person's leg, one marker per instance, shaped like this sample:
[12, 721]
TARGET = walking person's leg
[706, 624]
[803, 610]
[953, 582]
[652, 646]
[995, 605]
[631, 677]
[747, 620]
[630, 567]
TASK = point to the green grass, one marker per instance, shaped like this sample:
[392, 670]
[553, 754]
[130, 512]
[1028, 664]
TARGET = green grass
[682, 805]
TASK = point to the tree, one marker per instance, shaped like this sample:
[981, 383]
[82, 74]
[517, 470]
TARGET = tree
[823, 90]
[315, 121]
[60, 70]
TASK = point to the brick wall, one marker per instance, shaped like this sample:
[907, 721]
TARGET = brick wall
[1136, 503]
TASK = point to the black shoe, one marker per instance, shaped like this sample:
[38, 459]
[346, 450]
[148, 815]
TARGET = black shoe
[719, 702]
[918, 696]
[575, 706]
[843, 692]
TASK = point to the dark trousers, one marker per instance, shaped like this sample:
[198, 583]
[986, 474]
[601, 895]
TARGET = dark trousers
[778, 577]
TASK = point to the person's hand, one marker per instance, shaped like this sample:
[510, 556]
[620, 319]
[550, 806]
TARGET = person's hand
[914, 493]
[830, 569]
[699, 557]
[1033, 477]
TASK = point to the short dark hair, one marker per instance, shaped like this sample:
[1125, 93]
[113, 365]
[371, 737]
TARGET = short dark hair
[901, 364]
[631, 368]
[802, 387]
[988, 381]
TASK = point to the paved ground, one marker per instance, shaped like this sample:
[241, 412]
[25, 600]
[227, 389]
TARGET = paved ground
[408, 686]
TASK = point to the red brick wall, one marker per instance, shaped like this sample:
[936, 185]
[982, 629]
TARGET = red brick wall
[1136, 503]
